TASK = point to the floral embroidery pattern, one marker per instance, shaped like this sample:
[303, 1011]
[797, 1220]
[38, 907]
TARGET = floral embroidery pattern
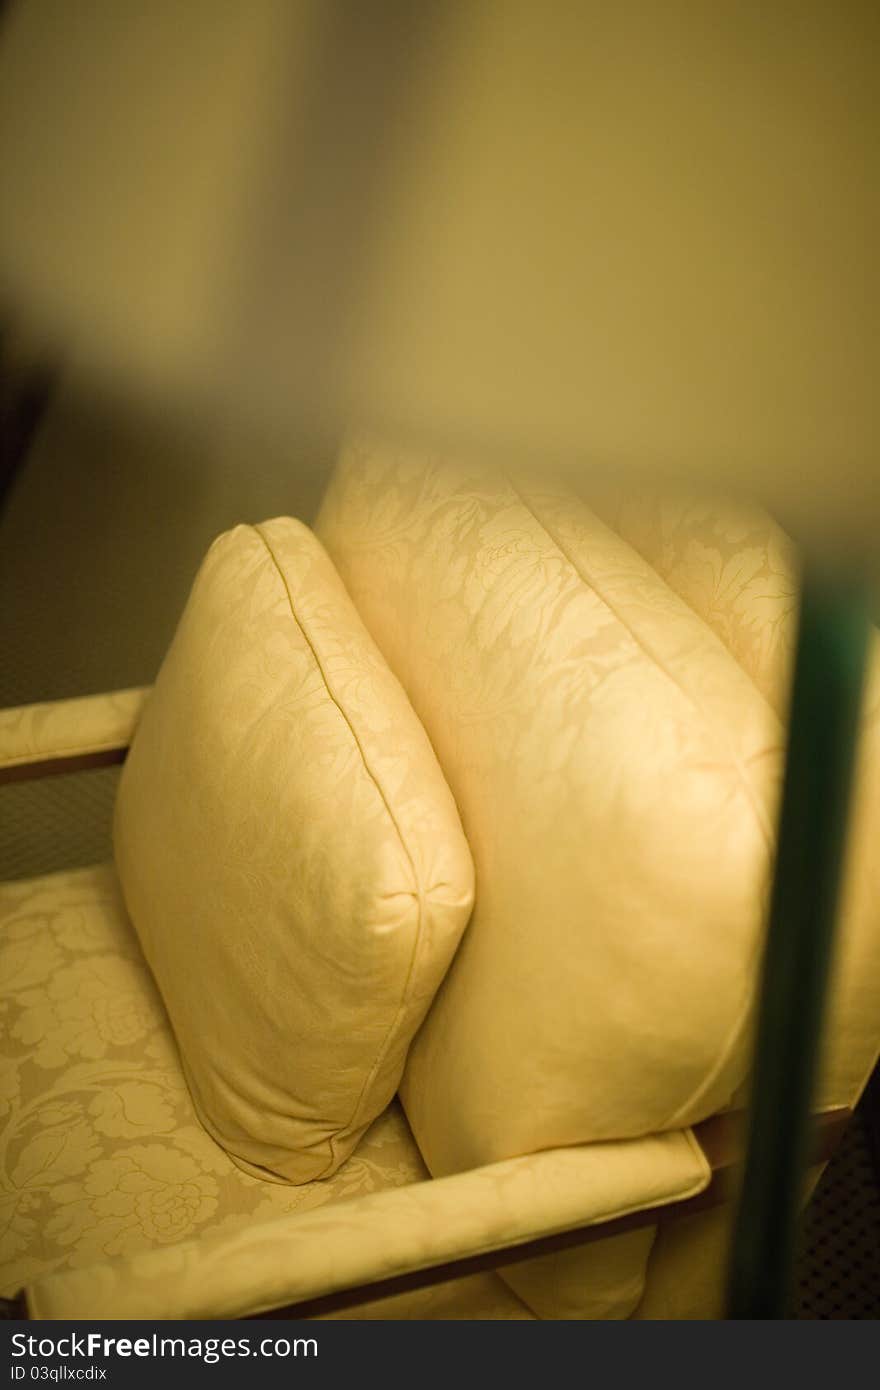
[100, 1152]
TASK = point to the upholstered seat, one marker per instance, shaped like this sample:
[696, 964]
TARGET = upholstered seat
[102, 1154]
[661, 618]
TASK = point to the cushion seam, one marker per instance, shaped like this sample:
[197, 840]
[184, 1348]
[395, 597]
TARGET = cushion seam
[351, 1124]
[693, 609]
[586, 579]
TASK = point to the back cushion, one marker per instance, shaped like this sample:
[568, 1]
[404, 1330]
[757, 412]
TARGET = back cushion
[731, 563]
[617, 773]
[739, 571]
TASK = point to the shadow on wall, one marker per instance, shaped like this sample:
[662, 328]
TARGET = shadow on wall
[104, 527]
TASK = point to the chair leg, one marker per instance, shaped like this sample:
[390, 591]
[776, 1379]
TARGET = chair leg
[826, 693]
[869, 1107]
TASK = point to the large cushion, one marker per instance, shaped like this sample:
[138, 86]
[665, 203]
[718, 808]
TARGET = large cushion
[739, 571]
[290, 855]
[617, 775]
[599, 677]
[103, 1154]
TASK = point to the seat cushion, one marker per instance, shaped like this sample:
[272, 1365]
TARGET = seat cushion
[103, 1154]
[290, 855]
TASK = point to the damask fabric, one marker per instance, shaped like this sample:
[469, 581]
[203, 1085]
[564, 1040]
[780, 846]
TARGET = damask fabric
[55, 728]
[617, 776]
[115, 1198]
[606, 708]
[290, 855]
[103, 1156]
[732, 564]
[383, 1234]
[739, 571]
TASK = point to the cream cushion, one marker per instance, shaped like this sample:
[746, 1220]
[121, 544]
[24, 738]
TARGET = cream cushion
[491, 568]
[290, 855]
[617, 775]
[103, 1157]
[636, 655]
[736, 568]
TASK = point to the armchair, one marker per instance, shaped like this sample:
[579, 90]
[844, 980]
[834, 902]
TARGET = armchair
[118, 1202]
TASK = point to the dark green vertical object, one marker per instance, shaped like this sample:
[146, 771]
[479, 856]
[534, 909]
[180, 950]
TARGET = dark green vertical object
[828, 678]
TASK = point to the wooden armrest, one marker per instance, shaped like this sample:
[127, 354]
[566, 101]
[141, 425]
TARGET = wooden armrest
[42, 740]
[366, 1241]
[493, 1210]
[721, 1140]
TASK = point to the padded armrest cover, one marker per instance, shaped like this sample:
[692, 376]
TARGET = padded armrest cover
[52, 729]
[238, 1273]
